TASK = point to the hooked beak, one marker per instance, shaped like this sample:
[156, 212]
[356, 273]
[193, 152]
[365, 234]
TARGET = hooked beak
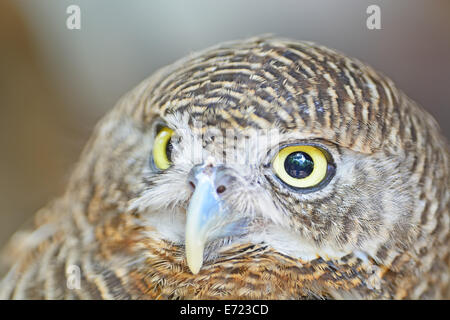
[205, 213]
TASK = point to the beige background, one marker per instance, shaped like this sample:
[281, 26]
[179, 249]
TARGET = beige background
[56, 83]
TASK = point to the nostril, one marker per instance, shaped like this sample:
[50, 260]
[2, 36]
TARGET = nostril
[221, 189]
[192, 185]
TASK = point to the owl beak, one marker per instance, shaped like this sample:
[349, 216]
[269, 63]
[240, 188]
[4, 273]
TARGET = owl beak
[204, 215]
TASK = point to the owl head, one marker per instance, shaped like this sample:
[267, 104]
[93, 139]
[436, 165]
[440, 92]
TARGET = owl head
[275, 142]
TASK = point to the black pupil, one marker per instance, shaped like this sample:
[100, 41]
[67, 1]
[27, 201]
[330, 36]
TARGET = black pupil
[169, 148]
[298, 165]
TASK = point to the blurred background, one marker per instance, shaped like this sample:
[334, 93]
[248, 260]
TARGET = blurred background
[56, 83]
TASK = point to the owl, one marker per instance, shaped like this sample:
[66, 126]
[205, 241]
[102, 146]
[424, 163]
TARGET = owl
[264, 168]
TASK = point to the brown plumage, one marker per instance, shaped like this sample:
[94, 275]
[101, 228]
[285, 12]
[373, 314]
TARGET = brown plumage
[375, 226]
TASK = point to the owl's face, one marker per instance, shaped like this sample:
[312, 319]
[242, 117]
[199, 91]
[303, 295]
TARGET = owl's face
[270, 143]
[302, 194]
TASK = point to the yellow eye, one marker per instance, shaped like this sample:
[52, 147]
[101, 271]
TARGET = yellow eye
[161, 150]
[301, 166]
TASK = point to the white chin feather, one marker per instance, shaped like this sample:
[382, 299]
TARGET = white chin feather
[291, 244]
